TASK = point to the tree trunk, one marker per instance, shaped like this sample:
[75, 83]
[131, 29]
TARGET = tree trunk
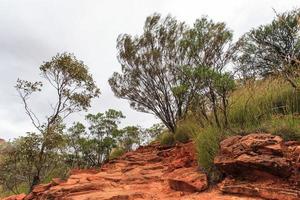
[225, 103]
[213, 99]
[36, 180]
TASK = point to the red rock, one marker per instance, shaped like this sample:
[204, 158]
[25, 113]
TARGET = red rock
[56, 181]
[263, 165]
[83, 171]
[187, 180]
[271, 191]
[41, 188]
[16, 197]
[150, 172]
[240, 155]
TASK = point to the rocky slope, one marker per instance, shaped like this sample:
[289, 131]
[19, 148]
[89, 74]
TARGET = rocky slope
[151, 172]
[256, 166]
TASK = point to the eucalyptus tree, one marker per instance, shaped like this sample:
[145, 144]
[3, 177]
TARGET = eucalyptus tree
[76, 141]
[74, 89]
[272, 49]
[130, 136]
[151, 64]
[209, 45]
[103, 135]
[158, 66]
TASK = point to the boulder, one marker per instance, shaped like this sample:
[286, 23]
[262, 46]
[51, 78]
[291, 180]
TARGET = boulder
[260, 165]
[187, 180]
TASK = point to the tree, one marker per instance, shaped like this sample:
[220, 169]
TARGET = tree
[150, 64]
[156, 66]
[20, 160]
[208, 44]
[74, 89]
[210, 47]
[152, 132]
[103, 135]
[76, 140]
[130, 136]
[212, 97]
[272, 49]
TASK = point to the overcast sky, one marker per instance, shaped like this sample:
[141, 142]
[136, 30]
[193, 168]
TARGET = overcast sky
[32, 31]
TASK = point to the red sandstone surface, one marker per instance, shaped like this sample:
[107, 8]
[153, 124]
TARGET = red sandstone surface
[260, 165]
[151, 172]
[256, 166]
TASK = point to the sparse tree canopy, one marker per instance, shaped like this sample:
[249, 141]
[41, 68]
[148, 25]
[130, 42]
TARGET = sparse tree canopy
[74, 89]
[150, 65]
[157, 66]
[104, 133]
[209, 44]
[273, 49]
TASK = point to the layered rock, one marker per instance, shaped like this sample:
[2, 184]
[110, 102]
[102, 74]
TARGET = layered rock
[151, 172]
[261, 165]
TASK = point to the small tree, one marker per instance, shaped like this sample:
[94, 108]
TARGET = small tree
[20, 160]
[213, 95]
[130, 136]
[103, 135]
[210, 47]
[76, 140]
[272, 49]
[74, 89]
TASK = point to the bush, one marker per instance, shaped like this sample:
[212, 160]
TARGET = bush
[189, 126]
[207, 146]
[116, 153]
[285, 126]
[167, 139]
[181, 136]
[258, 101]
[287, 133]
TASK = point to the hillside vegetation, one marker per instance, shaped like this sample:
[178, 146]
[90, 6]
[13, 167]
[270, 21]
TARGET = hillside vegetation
[197, 80]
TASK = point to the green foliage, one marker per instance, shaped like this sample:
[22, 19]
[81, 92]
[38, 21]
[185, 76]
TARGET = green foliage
[103, 136]
[285, 126]
[116, 153]
[207, 146]
[187, 129]
[181, 136]
[71, 78]
[153, 133]
[158, 66]
[256, 102]
[21, 160]
[131, 135]
[167, 139]
[272, 49]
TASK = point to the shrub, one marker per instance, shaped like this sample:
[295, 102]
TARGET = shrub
[189, 127]
[181, 136]
[207, 146]
[287, 133]
[167, 139]
[116, 153]
[258, 101]
[286, 126]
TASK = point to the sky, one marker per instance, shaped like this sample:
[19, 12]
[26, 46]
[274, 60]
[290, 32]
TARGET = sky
[32, 31]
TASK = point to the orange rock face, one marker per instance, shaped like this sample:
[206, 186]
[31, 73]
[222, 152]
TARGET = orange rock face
[149, 173]
[16, 197]
[260, 165]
